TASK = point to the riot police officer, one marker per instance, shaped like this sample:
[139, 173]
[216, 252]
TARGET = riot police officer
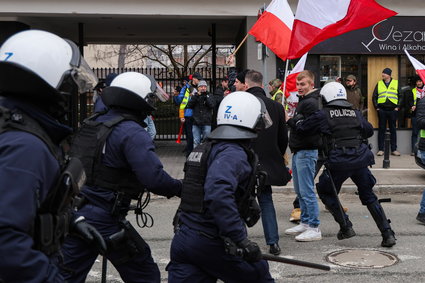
[218, 199]
[348, 155]
[120, 162]
[39, 72]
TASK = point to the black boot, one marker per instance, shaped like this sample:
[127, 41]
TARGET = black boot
[274, 249]
[378, 214]
[346, 227]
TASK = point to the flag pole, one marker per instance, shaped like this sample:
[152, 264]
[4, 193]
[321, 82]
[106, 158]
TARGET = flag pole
[240, 44]
[284, 82]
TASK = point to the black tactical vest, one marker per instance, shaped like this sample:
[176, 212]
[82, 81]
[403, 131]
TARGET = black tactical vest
[345, 127]
[52, 220]
[196, 169]
[88, 145]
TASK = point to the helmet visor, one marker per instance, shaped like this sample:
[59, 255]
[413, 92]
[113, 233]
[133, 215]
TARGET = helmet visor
[160, 93]
[84, 77]
[157, 90]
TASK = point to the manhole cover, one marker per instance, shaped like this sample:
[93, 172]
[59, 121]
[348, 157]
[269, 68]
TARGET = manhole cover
[359, 258]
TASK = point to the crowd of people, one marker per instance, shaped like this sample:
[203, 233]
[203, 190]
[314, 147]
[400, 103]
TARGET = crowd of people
[65, 201]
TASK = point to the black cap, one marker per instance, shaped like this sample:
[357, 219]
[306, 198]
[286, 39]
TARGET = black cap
[416, 78]
[387, 71]
[197, 75]
[241, 76]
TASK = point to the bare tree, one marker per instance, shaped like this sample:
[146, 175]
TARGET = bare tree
[178, 59]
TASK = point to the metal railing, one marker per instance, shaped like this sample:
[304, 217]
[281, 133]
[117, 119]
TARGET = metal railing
[166, 116]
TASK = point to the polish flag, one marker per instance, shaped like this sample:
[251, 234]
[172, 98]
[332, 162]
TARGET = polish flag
[274, 27]
[419, 67]
[316, 21]
[291, 90]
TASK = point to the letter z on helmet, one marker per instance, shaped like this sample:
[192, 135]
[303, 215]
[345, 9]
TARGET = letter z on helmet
[240, 115]
[42, 67]
[333, 91]
[134, 91]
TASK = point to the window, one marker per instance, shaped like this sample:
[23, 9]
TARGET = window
[330, 68]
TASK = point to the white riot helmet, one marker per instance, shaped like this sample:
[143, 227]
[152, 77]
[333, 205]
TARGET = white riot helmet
[333, 91]
[240, 115]
[134, 91]
[43, 68]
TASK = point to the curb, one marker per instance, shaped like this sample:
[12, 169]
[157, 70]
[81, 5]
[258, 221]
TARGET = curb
[352, 189]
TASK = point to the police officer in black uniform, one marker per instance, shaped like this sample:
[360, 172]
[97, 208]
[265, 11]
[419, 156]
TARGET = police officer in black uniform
[348, 155]
[39, 72]
[120, 162]
[218, 201]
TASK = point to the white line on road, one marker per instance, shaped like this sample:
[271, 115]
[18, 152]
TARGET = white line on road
[396, 169]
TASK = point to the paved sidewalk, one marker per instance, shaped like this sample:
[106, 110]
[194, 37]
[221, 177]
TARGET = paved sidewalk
[402, 176]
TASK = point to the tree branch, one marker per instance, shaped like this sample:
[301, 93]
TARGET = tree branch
[201, 57]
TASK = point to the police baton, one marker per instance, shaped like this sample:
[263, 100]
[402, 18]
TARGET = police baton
[335, 191]
[295, 262]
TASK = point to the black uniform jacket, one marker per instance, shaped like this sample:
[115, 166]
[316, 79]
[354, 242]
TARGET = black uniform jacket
[272, 142]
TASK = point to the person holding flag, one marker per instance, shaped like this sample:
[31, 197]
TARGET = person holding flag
[420, 115]
[416, 94]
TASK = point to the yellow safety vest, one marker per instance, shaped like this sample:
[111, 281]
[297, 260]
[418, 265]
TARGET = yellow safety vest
[391, 92]
[277, 92]
[415, 95]
[184, 102]
[414, 90]
[423, 134]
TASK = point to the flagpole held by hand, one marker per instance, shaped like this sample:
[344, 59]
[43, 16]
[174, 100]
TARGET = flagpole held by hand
[240, 44]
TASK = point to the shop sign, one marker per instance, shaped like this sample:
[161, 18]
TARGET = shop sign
[390, 36]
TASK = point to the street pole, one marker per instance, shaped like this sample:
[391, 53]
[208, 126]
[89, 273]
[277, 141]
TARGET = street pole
[386, 162]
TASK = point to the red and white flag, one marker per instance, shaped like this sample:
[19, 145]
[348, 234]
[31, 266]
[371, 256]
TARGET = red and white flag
[316, 21]
[274, 27]
[291, 90]
[419, 67]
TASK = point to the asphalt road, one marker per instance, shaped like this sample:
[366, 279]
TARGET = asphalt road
[402, 211]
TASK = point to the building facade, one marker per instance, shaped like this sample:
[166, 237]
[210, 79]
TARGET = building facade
[364, 53]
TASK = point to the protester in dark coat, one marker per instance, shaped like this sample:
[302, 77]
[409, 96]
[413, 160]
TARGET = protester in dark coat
[270, 146]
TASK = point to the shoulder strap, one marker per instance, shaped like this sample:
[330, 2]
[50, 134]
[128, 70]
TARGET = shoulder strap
[17, 120]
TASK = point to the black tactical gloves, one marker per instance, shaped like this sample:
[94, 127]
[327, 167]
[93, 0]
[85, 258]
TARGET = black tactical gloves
[86, 231]
[251, 251]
